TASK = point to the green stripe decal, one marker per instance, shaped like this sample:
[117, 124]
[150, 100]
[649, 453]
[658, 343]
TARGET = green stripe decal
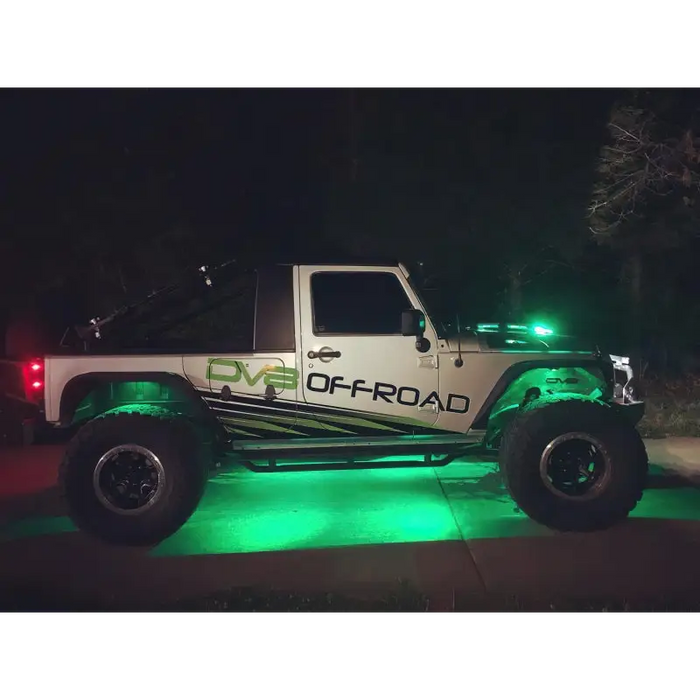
[241, 433]
[401, 420]
[231, 428]
[304, 423]
[316, 424]
[360, 423]
[261, 425]
[325, 421]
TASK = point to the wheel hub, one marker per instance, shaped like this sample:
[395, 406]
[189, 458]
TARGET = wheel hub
[575, 466]
[128, 479]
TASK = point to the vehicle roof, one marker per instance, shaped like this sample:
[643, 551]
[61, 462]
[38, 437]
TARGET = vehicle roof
[341, 260]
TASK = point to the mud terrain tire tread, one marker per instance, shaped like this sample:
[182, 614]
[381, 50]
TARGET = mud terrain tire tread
[174, 439]
[540, 422]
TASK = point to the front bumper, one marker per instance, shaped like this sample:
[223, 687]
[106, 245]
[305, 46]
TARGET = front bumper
[632, 412]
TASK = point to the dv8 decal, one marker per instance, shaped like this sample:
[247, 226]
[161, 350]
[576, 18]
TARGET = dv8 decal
[255, 417]
[278, 377]
[389, 393]
[235, 371]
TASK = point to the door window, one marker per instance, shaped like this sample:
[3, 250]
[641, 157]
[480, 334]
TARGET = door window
[357, 303]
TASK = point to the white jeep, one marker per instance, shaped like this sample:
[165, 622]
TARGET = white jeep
[321, 363]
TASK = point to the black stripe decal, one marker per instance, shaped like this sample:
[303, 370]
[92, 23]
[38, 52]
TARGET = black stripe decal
[348, 422]
[252, 408]
[318, 410]
[307, 430]
[296, 431]
[289, 410]
[347, 429]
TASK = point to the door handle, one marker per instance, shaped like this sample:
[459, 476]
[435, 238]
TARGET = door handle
[323, 354]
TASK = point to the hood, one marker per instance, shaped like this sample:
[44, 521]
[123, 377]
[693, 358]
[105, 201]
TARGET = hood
[515, 341]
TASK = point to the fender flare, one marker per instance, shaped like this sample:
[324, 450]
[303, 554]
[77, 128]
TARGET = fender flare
[517, 370]
[79, 386]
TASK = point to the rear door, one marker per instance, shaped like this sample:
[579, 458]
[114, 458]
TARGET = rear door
[357, 368]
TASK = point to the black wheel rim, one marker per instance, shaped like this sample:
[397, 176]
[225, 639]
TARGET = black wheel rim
[128, 479]
[575, 466]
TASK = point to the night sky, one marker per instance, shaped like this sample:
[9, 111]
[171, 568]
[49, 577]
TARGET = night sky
[450, 177]
[263, 160]
[249, 161]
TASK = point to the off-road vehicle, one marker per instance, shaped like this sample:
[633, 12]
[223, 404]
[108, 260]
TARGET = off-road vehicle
[290, 365]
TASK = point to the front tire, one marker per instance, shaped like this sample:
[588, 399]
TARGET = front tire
[134, 477]
[573, 464]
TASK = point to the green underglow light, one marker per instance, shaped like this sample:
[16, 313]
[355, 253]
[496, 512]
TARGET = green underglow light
[247, 512]
[35, 527]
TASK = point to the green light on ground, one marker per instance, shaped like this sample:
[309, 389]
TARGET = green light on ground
[35, 527]
[245, 512]
[257, 512]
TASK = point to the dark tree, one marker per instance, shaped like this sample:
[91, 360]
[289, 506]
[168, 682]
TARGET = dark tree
[645, 202]
[476, 184]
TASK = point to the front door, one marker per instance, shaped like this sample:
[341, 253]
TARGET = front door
[358, 370]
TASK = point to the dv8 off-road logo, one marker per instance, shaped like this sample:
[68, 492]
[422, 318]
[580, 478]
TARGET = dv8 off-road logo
[386, 392]
[234, 371]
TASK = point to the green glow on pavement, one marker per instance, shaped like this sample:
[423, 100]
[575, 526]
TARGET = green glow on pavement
[34, 527]
[244, 511]
[248, 512]
[669, 504]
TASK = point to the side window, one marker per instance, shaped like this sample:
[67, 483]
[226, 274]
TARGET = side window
[221, 318]
[357, 303]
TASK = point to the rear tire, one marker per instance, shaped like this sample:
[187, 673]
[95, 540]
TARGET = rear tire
[573, 464]
[134, 477]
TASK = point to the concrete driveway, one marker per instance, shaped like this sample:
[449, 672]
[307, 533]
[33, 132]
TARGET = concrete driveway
[450, 532]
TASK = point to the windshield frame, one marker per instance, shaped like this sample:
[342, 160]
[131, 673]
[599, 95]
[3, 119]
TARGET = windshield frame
[429, 312]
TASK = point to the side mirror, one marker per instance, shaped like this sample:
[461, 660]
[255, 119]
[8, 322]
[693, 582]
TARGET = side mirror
[413, 323]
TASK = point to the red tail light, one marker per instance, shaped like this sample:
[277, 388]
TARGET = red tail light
[33, 372]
